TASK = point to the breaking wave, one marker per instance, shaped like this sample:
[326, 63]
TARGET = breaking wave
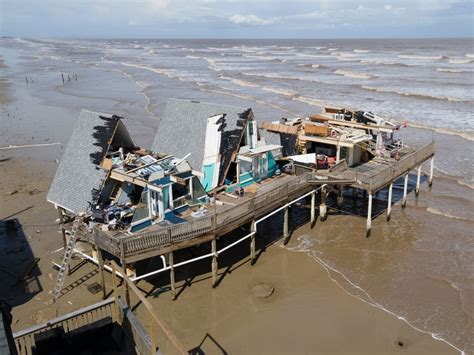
[466, 135]
[270, 59]
[361, 51]
[310, 101]
[450, 70]
[314, 66]
[273, 76]
[240, 82]
[420, 57]
[413, 94]
[353, 74]
[168, 72]
[280, 91]
[460, 60]
[357, 291]
[447, 215]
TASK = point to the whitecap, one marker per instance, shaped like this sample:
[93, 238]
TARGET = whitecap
[460, 60]
[240, 82]
[280, 91]
[450, 70]
[413, 94]
[420, 57]
[352, 74]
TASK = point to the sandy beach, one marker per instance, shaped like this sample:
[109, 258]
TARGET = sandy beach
[309, 311]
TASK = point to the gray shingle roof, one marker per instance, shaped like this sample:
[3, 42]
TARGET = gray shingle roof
[78, 172]
[182, 130]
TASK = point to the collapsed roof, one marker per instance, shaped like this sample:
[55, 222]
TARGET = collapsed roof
[79, 172]
[182, 130]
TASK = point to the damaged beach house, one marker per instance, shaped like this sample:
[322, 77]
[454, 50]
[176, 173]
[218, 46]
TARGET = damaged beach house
[213, 169]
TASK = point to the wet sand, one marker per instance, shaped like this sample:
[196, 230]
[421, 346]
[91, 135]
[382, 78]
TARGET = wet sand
[306, 313]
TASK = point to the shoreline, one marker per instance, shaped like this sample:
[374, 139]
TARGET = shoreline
[227, 279]
[379, 306]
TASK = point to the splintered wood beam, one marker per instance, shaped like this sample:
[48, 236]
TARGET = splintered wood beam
[279, 128]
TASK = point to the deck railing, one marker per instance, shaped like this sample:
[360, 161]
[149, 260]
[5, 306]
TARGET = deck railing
[25, 339]
[395, 170]
[122, 244]
[168, 235]
[107, 310]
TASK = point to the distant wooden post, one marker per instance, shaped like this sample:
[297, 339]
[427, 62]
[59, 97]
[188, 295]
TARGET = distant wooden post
[405, 189]
[61, 225]
[127, 287]
[313, 207]
[340, 196]
[389, 203]
[68, 77]
[214, 266]
[172, 279]
[369, 215]
[253, 230]
[430, 180]
[101, 264]
[118, 319]
[62, 76]
[418, 177]
[286, 233]
[152, 334]
[322, 206]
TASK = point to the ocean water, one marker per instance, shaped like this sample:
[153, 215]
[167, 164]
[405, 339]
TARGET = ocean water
[420, 267]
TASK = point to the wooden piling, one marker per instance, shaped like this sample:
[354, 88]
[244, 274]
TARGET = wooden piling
[118, 319]
[127, 287]
[389, 202]
[405, 189]
[369, 215]
[340, 196]
[61, 226]
[62, 76]
[322, 206]
[100, 263]
[430, 179]
[286, 233]
[172, 279]
[253, 230]
[214, 266]
[418, 177]
[313, 207]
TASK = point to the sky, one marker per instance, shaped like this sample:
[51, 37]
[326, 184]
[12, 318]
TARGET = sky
[237, 18]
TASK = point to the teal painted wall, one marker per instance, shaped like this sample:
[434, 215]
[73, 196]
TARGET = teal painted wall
[206, 180]
[272, 165]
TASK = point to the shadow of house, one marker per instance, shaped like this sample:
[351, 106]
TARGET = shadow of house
[271, 231]
[18, 266]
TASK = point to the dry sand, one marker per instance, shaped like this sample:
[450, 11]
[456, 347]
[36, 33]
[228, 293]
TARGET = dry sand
[286, 303]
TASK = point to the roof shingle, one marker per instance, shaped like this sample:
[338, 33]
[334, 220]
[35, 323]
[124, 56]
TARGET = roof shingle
[78, 172]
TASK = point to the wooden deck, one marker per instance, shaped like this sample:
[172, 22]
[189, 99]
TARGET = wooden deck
[377, 173]
[235, 212]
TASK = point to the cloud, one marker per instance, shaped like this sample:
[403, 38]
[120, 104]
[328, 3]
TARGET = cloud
[251, 20]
